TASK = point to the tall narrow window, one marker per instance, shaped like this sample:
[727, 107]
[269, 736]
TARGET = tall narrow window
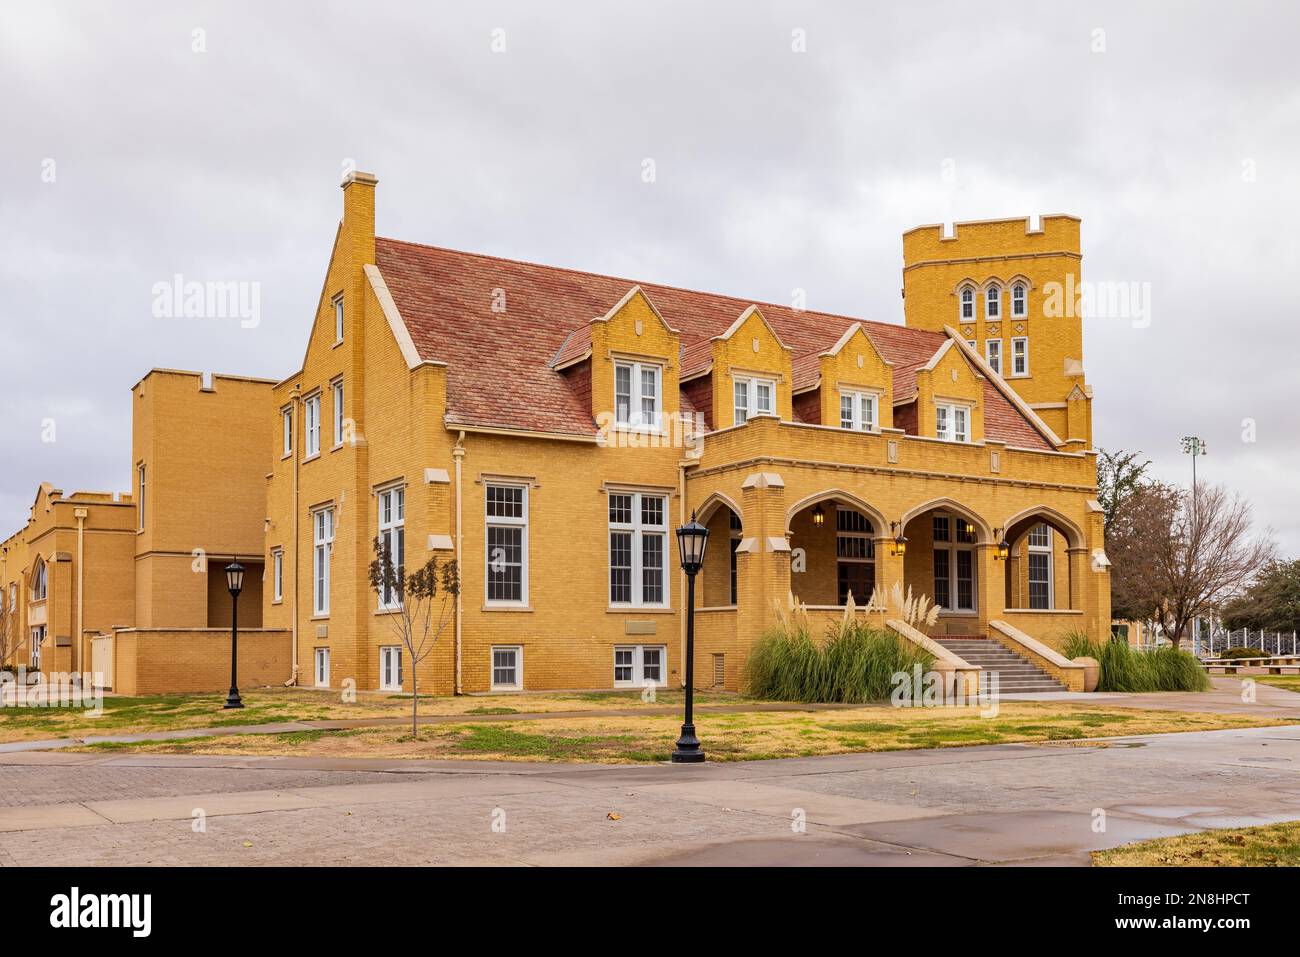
[638, 535]
[1020, 356]
[733, 523]
[322, 667]
[322, 550]
[338, 319]
[638, 395]
[507, 544]
[40, 581]
[993, 301]
[954, 563]
[390, 668]
[277, 575]
[858, 411]
[855, 554]
[993, 354]
[753, 397]
[967, 304]
[1019, 301]
[337, 389]
[139, 507]
[286, 427]
[1040, 566]
[392, 539]
[311, 425]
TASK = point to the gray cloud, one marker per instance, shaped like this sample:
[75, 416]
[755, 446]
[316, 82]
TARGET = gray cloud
[775, 170]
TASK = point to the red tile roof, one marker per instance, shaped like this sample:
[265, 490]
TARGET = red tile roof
[446, 299]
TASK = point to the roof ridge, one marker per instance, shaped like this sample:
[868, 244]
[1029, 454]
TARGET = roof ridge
[661, 285]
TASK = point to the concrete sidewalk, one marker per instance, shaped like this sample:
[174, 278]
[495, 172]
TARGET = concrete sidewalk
[1024, 804]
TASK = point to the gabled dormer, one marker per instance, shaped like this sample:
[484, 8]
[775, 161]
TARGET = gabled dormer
[856, 383]
[950, 397]
[634, 367]
[752, 372]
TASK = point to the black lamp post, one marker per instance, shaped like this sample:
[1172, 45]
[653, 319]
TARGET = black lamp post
[235, 582]
[691, 539]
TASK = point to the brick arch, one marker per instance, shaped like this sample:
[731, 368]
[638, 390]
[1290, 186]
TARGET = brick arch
[845, 498]
[983, 533]
[712, 502]
[1074, 536]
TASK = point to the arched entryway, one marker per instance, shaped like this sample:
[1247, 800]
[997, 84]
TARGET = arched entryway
[1038, 569]
[719, 585]
[834, 540]
[943, 556]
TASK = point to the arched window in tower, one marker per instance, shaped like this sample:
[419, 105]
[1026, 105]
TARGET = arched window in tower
[993, 301]
[967, 304]
[1019, 301]
[40, 583]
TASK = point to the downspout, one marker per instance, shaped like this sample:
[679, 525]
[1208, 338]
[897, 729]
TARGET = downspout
[458, 455]
[681, 575]
[81, 583]
[294, 396]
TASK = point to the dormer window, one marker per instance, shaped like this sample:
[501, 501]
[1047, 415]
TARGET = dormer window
[753, 397]
[967, 304]
[952, 422]
[638, 395]
[1019, 301]
[993, 301]
[858, 411]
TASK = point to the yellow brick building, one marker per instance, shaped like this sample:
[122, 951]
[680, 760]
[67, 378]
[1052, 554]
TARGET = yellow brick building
[550, 428]
[138, 578]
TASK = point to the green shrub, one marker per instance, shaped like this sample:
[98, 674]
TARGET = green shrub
[1243, 653]
[1124, 668]
[853, 664]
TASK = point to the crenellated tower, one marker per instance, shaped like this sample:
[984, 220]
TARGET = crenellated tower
[1009, 288]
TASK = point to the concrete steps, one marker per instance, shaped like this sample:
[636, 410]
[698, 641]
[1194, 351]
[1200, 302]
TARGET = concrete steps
[1016, 675]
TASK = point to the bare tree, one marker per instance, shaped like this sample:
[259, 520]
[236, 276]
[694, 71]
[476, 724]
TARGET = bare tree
[432, 587]
[10, 643]
[1177, 556]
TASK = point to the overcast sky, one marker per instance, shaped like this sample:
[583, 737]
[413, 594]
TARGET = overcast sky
[135, 148]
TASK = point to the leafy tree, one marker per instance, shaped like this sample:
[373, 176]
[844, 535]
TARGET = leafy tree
[433, 586]
[1271, 603]
[1119, 476]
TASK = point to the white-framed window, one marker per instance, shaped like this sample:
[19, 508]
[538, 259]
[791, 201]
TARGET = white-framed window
[40, 581]
[322, 668]
[753, 396]
[140, 490]
[277, 575]
[286, 428]
[322, 522]
[952, 422]
[993, 354]
[638, 395]
[338, 318]
[507, 668]
[639, 666]
[638, 549]
[311, 425]
[392, 538]
[858, 411]
[38, 636]
[507, 544]
[1020, 356]
[336, 387]
[1019, 301]
[967, 304]
[993, 301]
[390, 668]
[1040, 566]
[954, 565]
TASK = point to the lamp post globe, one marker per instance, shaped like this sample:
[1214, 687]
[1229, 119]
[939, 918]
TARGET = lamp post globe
[692, 539]
[235, 583]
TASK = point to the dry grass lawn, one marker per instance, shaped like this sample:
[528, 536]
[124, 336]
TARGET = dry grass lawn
[1276, 845]
[726, 737]
[274, 705]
